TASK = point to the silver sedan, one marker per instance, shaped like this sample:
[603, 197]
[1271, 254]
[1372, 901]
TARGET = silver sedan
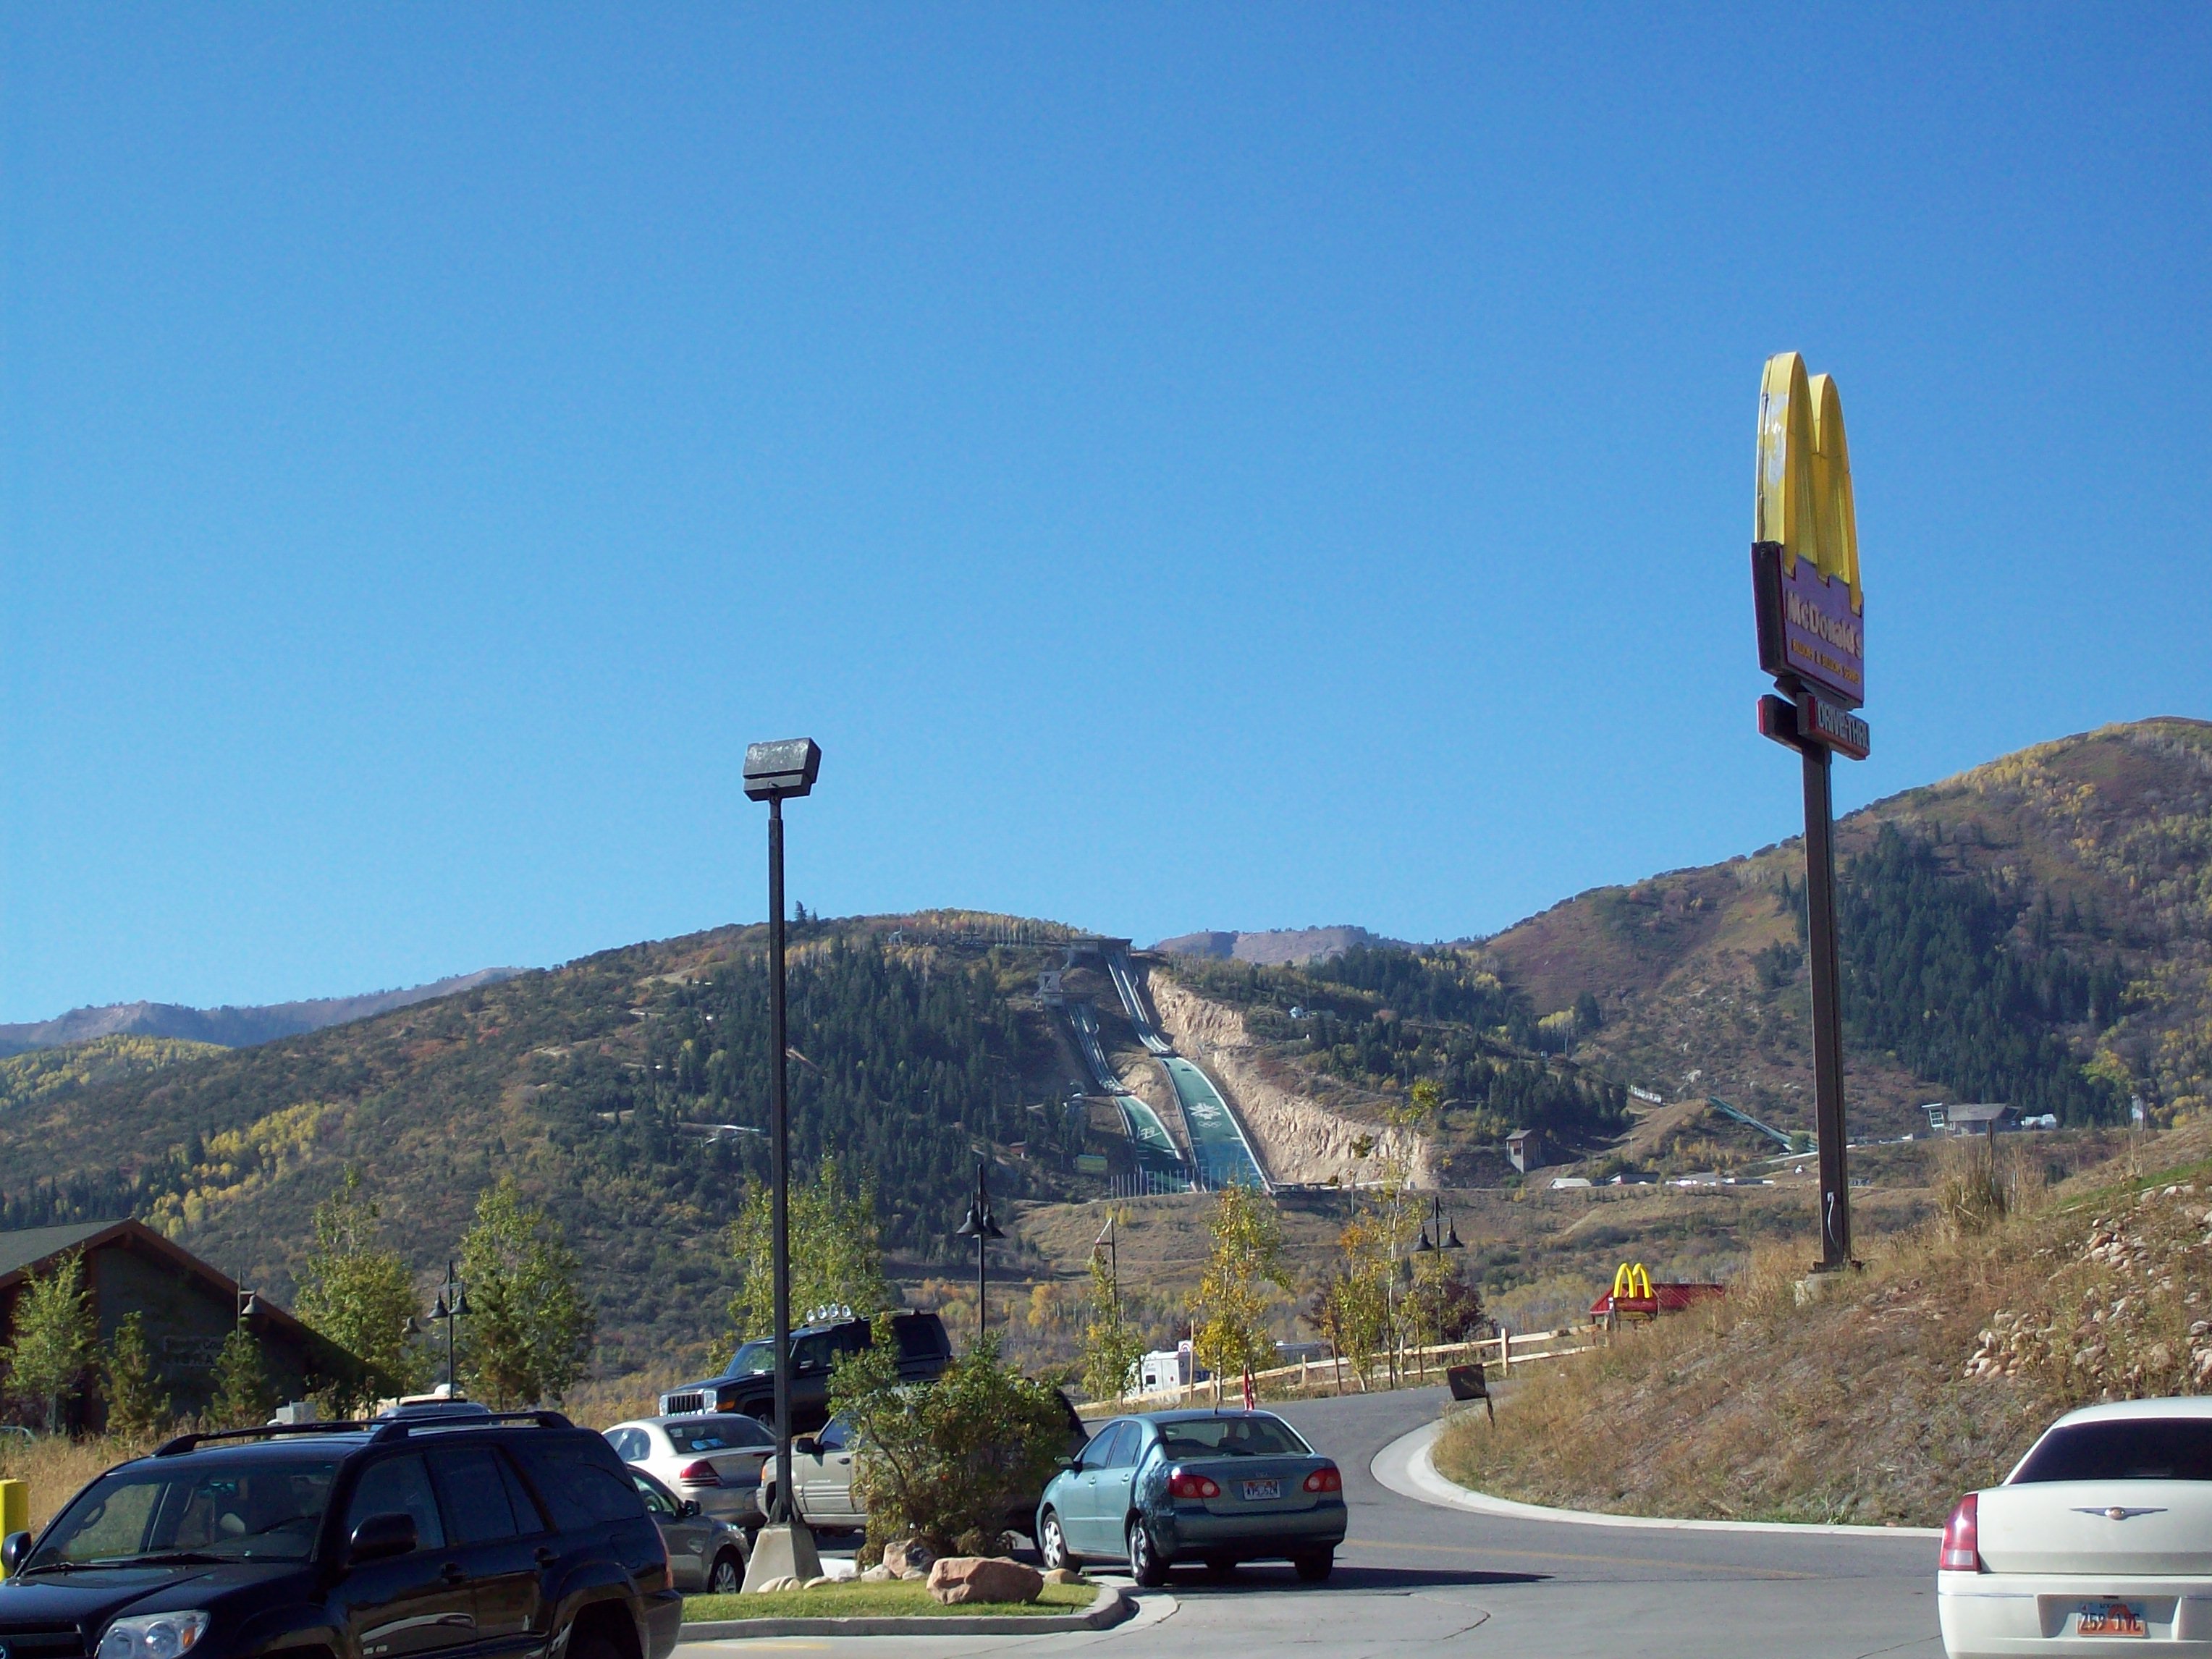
[714, 1458]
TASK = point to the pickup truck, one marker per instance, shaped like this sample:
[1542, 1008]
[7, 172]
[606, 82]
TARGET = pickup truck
[747, 1384]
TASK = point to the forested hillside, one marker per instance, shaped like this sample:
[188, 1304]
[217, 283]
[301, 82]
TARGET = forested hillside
[628, 1090]
[2037, 931]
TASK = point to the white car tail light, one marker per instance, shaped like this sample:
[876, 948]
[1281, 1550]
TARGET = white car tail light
[700, 1473]
[1962, 1544]
[1188, 1483]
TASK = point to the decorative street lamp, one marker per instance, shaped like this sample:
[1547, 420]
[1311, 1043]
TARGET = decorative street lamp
[981, 1227]
[1430, 1247]
[452, 1308]
[775, 772]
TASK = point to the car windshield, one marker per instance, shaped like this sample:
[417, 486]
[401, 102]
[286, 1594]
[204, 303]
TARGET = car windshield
[2127, 1449]
[237, 1509]
[1233, 1436]
[752, 1359]
[709, 1434]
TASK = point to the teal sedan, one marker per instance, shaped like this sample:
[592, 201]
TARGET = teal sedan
[1216, 1486]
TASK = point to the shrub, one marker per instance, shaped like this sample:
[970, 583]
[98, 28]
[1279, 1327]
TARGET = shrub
[945, 1461]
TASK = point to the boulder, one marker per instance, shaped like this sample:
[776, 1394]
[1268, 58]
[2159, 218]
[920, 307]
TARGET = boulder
[786, 1583]
[1063, 1575]
[823, 1582]
[909, 1558]
[959, 1578]
[878, 1574]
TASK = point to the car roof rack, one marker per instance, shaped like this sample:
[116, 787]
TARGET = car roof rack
[398, 1428]
[384, 1429]
[185, 1443]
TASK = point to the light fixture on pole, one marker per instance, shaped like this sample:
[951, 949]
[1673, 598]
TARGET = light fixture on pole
[981, 1227]
[453, 1307]
[1429, 1246]
[774, 773]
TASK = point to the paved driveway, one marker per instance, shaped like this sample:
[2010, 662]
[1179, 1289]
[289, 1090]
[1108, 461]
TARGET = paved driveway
[1415, 1579]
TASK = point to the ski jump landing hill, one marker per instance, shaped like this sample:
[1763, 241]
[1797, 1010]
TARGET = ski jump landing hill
[1219, 1150]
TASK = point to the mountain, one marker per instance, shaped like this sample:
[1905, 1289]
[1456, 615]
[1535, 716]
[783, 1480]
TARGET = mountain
[1277, 947]
[2038, 930]
[227, 1027]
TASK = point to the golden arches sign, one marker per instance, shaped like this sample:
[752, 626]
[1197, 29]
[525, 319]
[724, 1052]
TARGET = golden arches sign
[1804, 503]
[1631, 1284]
[1805, 537]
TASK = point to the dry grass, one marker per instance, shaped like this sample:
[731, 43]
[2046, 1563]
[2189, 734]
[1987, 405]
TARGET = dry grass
[55, 1466]
[1878, 1402]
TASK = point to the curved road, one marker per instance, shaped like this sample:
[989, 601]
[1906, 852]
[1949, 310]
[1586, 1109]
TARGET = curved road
[1417, 1579]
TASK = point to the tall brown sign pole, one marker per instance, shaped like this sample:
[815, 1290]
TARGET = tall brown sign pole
[1812, 639]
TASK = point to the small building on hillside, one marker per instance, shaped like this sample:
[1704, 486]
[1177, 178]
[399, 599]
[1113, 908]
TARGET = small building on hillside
[1526, 1148]
[188, 1307]
[1982, 1118]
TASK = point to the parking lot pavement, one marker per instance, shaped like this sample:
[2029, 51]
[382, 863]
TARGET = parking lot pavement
[1415, 1579]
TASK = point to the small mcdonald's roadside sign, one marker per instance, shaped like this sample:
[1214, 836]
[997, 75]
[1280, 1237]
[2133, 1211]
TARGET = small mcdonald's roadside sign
[1636, 1299]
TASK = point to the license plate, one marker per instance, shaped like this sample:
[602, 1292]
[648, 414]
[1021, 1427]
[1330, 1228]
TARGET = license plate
[1258, 1490]
[2109, 1619]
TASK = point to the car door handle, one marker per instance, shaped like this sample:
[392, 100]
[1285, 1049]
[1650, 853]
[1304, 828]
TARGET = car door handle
[544, 1556]
[452, 1572]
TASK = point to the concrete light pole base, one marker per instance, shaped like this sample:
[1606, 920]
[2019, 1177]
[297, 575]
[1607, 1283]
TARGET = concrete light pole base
[785, 1551]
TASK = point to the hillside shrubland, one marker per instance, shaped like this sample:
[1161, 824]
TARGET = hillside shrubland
[1924, 1376]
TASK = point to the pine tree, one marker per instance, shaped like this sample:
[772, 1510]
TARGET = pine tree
[243, 1396]
[138, 1405]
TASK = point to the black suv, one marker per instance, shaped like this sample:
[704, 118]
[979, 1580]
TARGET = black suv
[748, 1384]
[475, 1537]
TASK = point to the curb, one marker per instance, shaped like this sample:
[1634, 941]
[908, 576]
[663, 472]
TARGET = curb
[1406, 1465]
[1109, 1609]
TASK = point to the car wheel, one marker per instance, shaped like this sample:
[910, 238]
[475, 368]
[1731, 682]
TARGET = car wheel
[1052, 1544]
[728, 1576]
[1146, 1565]
[1315, 1565]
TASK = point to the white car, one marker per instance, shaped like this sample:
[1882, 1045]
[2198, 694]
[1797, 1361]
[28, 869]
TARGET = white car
[712, 1457]
[2101, 1540]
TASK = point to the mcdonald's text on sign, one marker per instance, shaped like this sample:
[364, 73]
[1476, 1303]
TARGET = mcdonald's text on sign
[1805, 548]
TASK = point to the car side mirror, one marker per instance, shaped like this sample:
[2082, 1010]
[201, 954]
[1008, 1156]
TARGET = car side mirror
[690, 1507]
[379, 1538]
[12, 1552]
[807, 1446]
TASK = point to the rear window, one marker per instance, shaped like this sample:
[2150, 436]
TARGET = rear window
[2133, 1449]
[713, 1434]
[580, 1479]
[1233, 1436]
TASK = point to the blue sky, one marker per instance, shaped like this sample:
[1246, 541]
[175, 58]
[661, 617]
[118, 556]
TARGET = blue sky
[1189, 467]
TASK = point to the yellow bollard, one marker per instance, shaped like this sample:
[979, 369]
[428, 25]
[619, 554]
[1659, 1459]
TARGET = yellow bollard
[15, 1510]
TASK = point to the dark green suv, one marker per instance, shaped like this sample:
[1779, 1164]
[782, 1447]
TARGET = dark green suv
[462, 1537]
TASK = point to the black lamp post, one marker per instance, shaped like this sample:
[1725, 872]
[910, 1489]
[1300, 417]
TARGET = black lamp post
[981, 1227]
[453, 1307]
[775, 772]
[1429, 1246]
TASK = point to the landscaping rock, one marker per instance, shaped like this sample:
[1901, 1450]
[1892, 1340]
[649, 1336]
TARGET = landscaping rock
[776, 1585]
[823, 1582]
[960, 1579]
[1063, 1575]
[909, 1559]
[878, 1574]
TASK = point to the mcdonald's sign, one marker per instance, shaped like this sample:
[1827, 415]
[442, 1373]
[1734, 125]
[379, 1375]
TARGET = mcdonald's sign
[1805, 540]
[1631, 1284]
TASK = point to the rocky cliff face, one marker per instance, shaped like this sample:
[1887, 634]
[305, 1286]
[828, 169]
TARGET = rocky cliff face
[1298, 1140]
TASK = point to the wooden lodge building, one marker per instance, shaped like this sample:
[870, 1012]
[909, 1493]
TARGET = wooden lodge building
[188, 1307]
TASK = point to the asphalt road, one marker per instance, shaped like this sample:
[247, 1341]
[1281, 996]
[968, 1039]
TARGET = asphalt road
[1416, 1579]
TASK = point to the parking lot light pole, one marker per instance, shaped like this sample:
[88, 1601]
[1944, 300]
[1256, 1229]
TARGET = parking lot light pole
[982, 1228]
[775, 772]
